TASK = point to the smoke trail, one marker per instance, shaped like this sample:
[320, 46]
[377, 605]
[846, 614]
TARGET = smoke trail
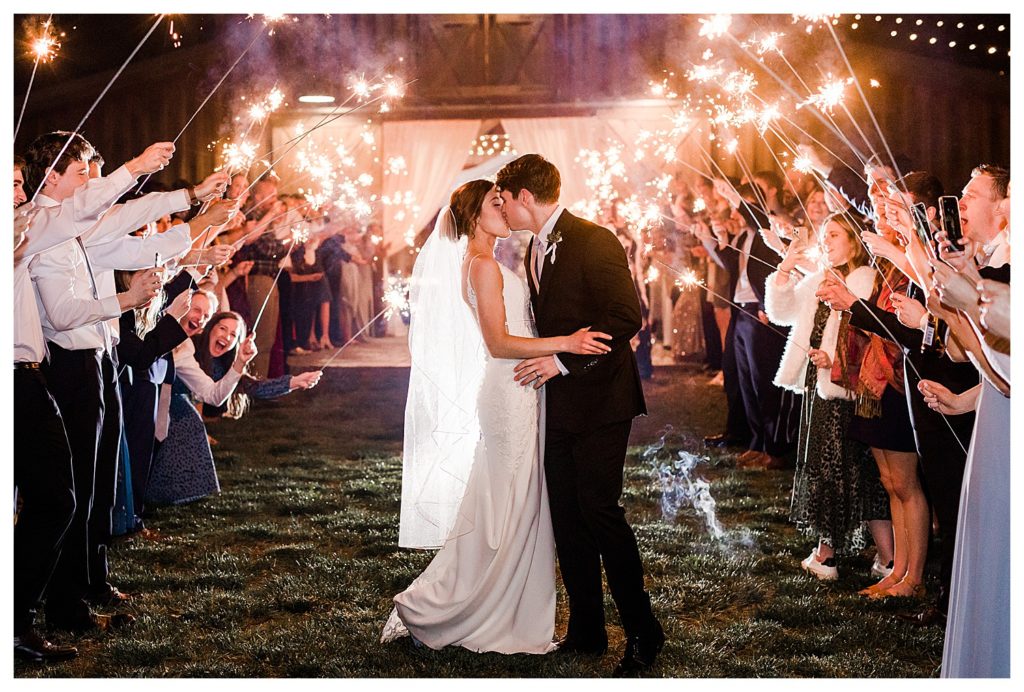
[674, 478]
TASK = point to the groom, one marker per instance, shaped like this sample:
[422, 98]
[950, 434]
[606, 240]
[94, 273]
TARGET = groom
[579, 277]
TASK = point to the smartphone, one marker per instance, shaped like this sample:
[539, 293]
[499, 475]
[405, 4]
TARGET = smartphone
[949, 212]
[923, 228]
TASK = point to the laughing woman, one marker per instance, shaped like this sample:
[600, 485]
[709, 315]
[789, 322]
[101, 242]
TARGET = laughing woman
[211, 369]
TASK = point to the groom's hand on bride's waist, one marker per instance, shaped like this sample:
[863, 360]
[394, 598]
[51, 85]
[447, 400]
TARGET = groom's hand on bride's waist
[536, 371]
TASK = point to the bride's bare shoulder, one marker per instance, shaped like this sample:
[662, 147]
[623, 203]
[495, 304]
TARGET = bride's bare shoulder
[481, 272]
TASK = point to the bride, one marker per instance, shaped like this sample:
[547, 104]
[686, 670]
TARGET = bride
[473, 476]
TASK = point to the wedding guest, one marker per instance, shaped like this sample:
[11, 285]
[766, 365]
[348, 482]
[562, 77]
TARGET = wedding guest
[73, 318]
[266, 250]
[43, 472]
[19, 181]
[941, 441]
[836, 488]
[758, 347]
[209, 367]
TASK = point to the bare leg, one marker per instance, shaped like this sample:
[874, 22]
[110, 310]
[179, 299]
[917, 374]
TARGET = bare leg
[915, 517]
[898, 546]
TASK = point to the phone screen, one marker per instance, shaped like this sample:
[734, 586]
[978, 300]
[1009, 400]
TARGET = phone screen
[949, 211]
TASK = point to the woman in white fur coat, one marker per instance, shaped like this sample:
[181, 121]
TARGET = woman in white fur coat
[836, 487]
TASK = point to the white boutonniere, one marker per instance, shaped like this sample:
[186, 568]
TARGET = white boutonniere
[554, 238]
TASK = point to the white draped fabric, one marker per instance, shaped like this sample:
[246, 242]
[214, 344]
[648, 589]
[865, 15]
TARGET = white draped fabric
[433, 153]
[559, 140]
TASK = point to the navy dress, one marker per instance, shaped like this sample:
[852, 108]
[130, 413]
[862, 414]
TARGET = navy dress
[183, 468]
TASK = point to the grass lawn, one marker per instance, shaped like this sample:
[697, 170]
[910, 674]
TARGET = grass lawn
[291, 569]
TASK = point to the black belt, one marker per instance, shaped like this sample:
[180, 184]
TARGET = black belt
[26, 366]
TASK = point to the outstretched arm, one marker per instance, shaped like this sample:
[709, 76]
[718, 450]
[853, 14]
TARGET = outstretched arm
[486, 281]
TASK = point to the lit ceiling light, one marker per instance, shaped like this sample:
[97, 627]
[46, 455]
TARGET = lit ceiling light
[972, 46]
[981, 27]
[878, 17]
[316, 98]
[992, 50]
[939, 23]
[919, 22]
[854, 25]
[1001, 28]
[932, 40]
[899, 20]
[952, 44]
[913, 37]
[893, 33]
[959, 25]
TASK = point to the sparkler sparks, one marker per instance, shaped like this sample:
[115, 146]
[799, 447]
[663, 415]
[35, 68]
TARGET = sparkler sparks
[802, 164]
[396, 296]
[768, 43]
[717, 25]
[829, 95]
[739, 83]
[688, 278]
[45, 46]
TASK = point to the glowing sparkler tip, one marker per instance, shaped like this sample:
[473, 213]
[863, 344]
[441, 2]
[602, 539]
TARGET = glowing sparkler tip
[717, 25]
[802, 164]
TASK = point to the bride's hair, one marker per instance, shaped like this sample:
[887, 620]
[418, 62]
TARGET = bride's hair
[466, 203]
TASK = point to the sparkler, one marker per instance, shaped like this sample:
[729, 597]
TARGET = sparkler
[396, 299]
[44, 48]
[829, 95]
[78, 128]
[208, 97]
[715, 26]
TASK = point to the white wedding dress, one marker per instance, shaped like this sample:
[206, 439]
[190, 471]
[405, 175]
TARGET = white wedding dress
[491, 587]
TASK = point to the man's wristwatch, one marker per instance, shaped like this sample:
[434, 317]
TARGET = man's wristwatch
[193, 200]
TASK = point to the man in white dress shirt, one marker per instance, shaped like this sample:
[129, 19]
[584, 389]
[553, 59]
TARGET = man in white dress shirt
[80, 365]
[42, 457]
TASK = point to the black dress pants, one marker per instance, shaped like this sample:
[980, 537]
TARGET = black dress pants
[736, 426]
[758, 351]
[108, 456]
[75, 379]
[584, 480]
[46, 484]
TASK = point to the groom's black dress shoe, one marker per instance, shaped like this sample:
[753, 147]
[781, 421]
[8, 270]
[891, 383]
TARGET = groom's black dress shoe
[577, 647]
[640, 653]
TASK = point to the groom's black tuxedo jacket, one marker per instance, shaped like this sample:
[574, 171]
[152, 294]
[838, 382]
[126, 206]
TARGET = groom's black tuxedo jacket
[589, 284]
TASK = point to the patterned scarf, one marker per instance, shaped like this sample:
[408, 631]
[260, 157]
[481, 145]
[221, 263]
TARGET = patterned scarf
[867, 363]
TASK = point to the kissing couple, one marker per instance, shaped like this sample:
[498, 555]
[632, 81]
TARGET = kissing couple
[521, 399]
